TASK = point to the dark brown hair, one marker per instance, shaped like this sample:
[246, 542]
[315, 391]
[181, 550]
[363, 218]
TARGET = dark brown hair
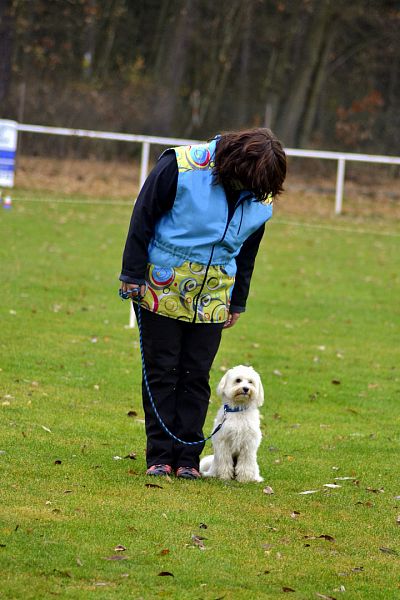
[254, 159]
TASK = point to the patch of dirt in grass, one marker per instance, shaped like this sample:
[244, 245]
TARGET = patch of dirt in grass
[91, 178]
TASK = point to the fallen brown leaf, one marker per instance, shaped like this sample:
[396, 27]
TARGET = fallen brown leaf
[328, 538]
[57, 462]
[389, 551]
[198, 541]
[287, 589]
[268, 490]
[119, 548]
[336, 382]
[203, 526]
[153, 485]
[295, 514]
[166, 574]
[131, 455]
[132, 413]
[164, 551]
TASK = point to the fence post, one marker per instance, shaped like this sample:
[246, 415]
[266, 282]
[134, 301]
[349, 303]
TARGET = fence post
[144, 163]
[339, 185]
[144, 167]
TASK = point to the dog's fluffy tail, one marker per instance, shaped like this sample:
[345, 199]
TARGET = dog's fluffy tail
[206, 464]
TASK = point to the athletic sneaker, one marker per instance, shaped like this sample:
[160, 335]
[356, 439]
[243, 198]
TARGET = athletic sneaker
[187, 473]
[159, 470]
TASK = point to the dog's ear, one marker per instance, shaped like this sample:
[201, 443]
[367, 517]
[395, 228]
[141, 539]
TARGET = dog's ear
[222, 384]
[260, 391]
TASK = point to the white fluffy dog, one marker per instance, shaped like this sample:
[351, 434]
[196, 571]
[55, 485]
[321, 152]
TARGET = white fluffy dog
[236, 443]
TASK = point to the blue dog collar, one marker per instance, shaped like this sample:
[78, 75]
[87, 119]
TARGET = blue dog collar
[229, 409]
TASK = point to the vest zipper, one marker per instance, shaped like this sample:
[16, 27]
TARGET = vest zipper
[196, 302]
[229, 219]
[241, 219]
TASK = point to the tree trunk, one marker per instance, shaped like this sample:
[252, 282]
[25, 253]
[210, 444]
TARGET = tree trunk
[299, 89]
[171, 75]
[319, 75]
[115, 12]
[6, 42]
[226, 53]
[242, 103]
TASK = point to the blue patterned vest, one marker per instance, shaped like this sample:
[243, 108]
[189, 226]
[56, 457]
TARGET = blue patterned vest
[197, 228]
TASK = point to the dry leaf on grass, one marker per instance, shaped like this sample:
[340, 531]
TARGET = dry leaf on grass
[116, 557]
[165, 574]
[389, 551]
[198, 541]
[119, 548]
[131, 455]
[268, 490]
[324, 536]
[153, 485]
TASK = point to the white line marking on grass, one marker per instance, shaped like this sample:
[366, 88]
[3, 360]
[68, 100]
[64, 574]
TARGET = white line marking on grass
[334, 228]
[128, 203]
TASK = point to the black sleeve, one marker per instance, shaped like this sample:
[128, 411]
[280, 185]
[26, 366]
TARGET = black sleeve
[245, 265]
[155, 198]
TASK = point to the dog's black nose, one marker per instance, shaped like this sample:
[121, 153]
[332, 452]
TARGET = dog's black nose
[245, 390]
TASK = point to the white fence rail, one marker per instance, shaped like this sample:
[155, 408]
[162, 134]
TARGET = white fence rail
[147, 140]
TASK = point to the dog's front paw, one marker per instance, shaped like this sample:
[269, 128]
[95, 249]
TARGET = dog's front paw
[225, 474]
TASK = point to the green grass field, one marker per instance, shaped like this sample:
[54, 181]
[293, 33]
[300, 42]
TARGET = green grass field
[322, 328]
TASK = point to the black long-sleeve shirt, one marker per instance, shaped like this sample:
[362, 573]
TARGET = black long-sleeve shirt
[156, 197]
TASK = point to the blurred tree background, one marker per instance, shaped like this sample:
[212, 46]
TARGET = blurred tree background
[320, 73]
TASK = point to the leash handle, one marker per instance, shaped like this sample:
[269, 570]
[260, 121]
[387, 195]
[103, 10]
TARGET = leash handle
[128, 296]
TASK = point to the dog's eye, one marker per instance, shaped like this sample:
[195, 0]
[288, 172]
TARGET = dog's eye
[250, 381]
[238, 380]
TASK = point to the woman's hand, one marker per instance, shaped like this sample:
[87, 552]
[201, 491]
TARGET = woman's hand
[232, 319]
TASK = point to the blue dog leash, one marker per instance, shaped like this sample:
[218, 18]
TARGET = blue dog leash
[126, 296]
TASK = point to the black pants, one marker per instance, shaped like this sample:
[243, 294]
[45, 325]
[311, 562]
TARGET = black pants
[178, 357]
